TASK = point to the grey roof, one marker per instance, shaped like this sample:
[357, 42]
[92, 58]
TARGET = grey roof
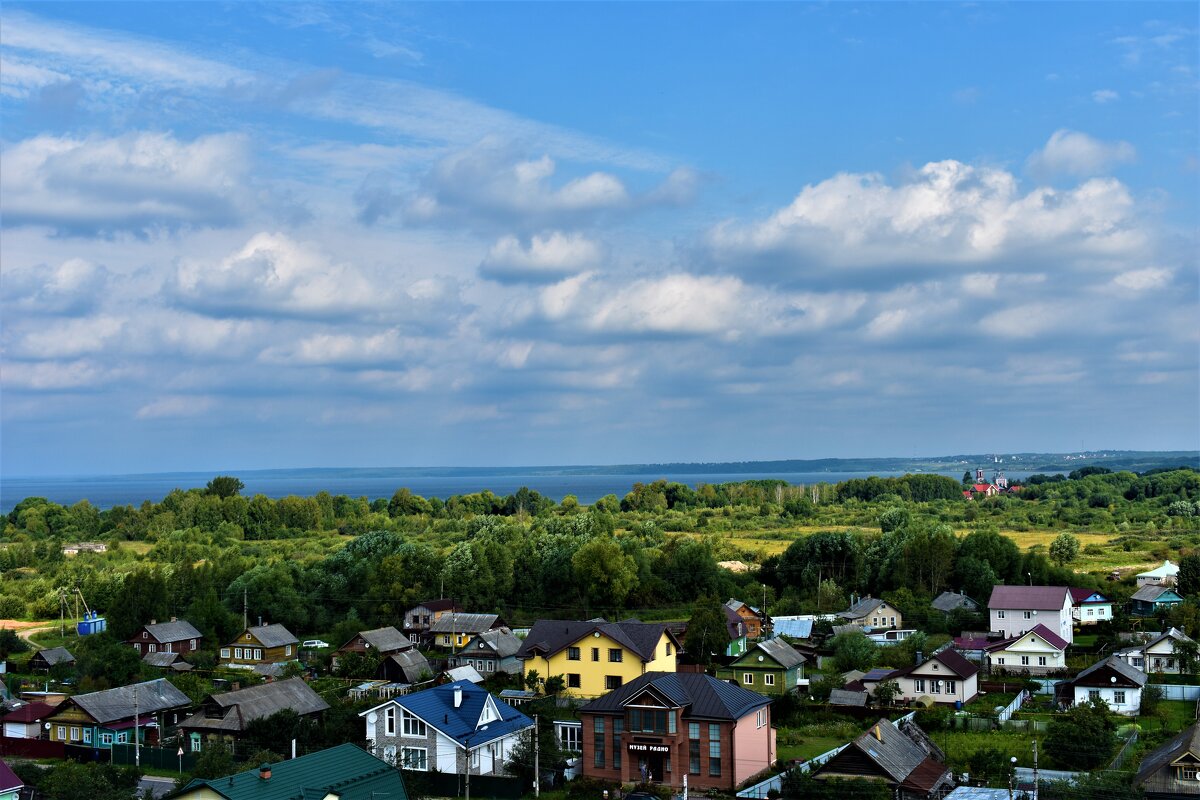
[272, 635]
[232, 711]
[845, 697]
[1132, 674]
[111, 705]
[1028, 598]
[412, 663]
[795, 628]
[862, 608]
[701, 696]
[1152, 777]
[501, 641]
[386, 640]
[895, 753]
[1150, 592]
[177, 631]
[948, 601]
[166, 660]
[464, 623]
[1172, 633]
[549, 636]
[56, 655]
[464, 673]
[784, 654]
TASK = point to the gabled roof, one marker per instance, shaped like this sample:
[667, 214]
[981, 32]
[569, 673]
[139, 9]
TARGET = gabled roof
[1080, 596]
[8, 779]
[950, 659]
[550, 636]
[735, 626]
[436, 707]
[463, 623]
[701, 696]
[55, 655]
[948, 601]
[893, 752]
[30, 712]
[464, 673]
[862, 608]
[777, 649]
[1187, 740]
[1152, 593]
[846, 697]
[165, 660]
[346, 771]
[111, 705]
[242, 706]
[444, 604]
[385, 640]
[1132, 674]
[793, 627]
[1028, 598]
[1173, 633]
[411, 662]
[270, 635]
[175, 631]
[501, 641]
[1051, 638]
[1167, 570]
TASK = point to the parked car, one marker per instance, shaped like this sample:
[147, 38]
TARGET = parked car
[313, 644]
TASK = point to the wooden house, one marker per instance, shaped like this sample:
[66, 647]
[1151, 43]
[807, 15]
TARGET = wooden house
[872, 612]
[490, 652]
[419, 618]
[44, 660]
[380, 642]
[902, 757]
[99, 719]
[1153, 598]
[1172, 771]
[224, 717]
[772, 666]
[755, 620]
[261, 644]
[176, 636]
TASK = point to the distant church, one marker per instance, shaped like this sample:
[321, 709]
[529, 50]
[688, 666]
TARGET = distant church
[982, 488]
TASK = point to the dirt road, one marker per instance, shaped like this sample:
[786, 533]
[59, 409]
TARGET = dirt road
[27, 629]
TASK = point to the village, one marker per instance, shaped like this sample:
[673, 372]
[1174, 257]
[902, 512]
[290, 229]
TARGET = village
[448, 701]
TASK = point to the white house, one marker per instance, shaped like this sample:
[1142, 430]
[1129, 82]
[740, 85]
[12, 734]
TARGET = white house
[1013, 610]
[1036, 652]
[947, 677]
[1158, 654]
[446, 728]
[1166, 575]
[1089, 607]
[1113, 681]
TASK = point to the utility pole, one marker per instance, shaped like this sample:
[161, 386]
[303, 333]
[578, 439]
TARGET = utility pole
[468, 794]
[537, 752]
[137, 742]
[1035, 771]
[245, 612]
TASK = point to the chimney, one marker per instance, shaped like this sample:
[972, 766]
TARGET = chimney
[173, 619]
[920, 655]
[264, 771]
[260, 620]
[153, 622]
[457, 696]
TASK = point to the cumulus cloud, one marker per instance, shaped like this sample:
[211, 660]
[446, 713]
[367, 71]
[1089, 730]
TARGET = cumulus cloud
[947, 212]
[137, 182]
[1141, 280]
[57, 376]
[1024, 321]
[1075, 153]
[543, 258]
[73, 287]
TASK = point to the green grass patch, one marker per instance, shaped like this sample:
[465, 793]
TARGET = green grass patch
[1171, 716]
[808, 747]
[960, 745]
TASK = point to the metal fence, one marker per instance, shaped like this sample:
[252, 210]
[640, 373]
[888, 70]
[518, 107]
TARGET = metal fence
[1178, 692]
[167, 758]
[446, 784]
[1010, 709]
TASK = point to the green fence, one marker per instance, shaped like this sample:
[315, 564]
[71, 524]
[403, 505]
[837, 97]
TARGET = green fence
[445, 784]
[156, 757]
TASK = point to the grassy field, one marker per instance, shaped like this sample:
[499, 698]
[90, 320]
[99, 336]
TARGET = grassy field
[1172, 716]
[808, 747]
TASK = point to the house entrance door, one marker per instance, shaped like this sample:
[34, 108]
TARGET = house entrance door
[650, 767]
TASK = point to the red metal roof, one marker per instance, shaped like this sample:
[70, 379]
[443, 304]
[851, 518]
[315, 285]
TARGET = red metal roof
[1050, 636]
[32, 712]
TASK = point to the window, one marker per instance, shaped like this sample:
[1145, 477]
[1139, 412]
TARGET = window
[595, 654]
[598, 734]
[474, 759]
[617, 726]
[389, 721]
[935, 686]
[918, 684]
[668, 648]
[122, 738]
[145, 635]
[446, 639]
[1099, 612]
[615, 655]
[137, 648]
[75, 733]
[192, 644]
[1000, 660]
[1119, 697]
[1024, 661]
[769, 679]
[572, 680]
[287, 651]
[612, 682]
[1188, 773]
[195, 744]
[570, 736]
[694, 748]
[224, 652]
[87, 735]
[951, 687]
[60, 733]
[411, 725]
[414, 758]
[1027, 614]
[1138, 662]
[648, 720]
[237, 652]
[1041, 661]
[1091, 612]
[760, 718]
[999, 615]
[714, 750]
[153, 647]
[1093, 694]
[106, 738]
[747, 678]
[572, 654]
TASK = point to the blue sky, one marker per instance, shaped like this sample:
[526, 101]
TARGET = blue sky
[270, 235]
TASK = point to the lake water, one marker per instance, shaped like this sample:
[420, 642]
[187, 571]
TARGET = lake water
[105, 491]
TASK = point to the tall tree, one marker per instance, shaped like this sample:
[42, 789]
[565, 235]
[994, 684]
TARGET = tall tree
[707, 631]
[224, 486]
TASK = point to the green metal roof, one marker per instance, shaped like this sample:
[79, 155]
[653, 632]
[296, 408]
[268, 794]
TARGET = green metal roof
[346, 771]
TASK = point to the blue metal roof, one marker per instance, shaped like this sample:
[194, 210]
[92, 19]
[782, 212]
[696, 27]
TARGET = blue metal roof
[436, 707]
[796, 628]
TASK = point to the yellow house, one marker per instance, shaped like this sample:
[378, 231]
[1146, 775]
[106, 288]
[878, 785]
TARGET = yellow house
[595, 657]
[261, 644]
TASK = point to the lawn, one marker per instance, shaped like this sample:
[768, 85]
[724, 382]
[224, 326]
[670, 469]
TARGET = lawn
[1172, 716]
[959, 745]
[808, 747]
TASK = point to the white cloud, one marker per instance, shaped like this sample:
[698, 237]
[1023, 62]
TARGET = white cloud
[73, 286]
[175, 406]
[137, 182]
[340, 349]
[71, 338]
[1103, 96]
[1075, 153]
[52, 376]
[544, 258]
[1140, 280]
[1023, 321]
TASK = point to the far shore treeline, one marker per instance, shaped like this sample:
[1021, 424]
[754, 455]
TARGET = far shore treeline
[329, 562]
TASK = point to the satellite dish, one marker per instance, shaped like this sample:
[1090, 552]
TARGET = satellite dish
[47, 726]
[372, 718]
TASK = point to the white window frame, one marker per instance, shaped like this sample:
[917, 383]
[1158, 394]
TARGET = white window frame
[389, 721]
[747, 678]
[237, 652]
[769, 679]
[106, 739]
[999, 615]
[87, 735]
[1024, 661]
[919, 685]
[76, 733]
[60, 733]
[407, 762]
[412, 725]
[224, 652]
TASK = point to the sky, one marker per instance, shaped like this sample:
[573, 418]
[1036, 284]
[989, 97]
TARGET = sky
[287, 235]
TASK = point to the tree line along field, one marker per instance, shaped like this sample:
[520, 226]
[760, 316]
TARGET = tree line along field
[313, 563]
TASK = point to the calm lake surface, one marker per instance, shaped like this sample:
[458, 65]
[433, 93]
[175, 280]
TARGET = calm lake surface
[105, 491]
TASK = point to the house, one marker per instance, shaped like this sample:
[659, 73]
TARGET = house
[1089, 607]
[419, 618]
[43, 660]
[900, 756]
[380, 642]
[1013, 610]
[463, 673]
[871, 612]
[1172, 771]
[661, 726]
[866, 682]
[409, 667]
[10, 785]
[1150, 599]
[345, 772]
[953, 601]
[261, 644]
[176, 636]
[1159, 654]
[772, 666]
[26, 722]
[224, 717]
[799, 626]
[456, 728]
[1166, 575]
[455, 629]
[946, 677]
[1035, 652]
[756, 620]
[76, 548]
[99, 719]
[735, 629]
[597, 656]
[1111, 680]
[846, 697]
[490, 652]
[171, 661]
